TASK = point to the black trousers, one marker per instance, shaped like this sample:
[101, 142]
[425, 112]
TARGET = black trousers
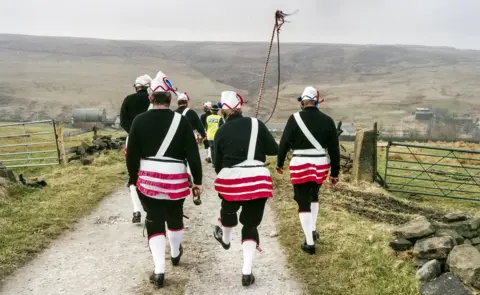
[205, 144]
[250, 217]
[161, 211]
[211, 143]
[305, 194]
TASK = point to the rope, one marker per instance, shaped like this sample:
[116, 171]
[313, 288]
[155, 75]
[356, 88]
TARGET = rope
[278, 80]
[279, 21]
[265, 71]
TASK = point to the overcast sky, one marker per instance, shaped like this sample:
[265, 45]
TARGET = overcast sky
[425, 22]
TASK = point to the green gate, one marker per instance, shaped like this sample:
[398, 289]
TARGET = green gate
[432, 171]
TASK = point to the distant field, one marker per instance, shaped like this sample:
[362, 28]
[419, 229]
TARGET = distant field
[48, 77]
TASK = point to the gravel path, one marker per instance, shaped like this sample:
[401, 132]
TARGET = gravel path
[106, 254]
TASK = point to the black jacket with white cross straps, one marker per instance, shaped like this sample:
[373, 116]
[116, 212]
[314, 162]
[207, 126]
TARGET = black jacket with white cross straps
[233, 138]
[322, 128]
[193, 119]
[147, 134]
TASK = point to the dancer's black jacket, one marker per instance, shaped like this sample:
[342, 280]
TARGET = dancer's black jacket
[322, 128]
[194, 120]
[132, 106]
[232, 140]
[147, 134]
[203, 118]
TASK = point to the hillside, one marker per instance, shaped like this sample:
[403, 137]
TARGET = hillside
[48, 76]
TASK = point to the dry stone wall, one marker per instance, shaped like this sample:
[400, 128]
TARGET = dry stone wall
[447, 253]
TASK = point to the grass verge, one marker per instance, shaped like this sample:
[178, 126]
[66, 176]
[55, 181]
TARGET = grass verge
[353, 256]
[30, 218]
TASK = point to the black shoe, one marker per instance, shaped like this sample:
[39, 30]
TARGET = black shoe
[209, 160]
[316, 236]
[137, 217]
[176, 260]
[248, 280]
[310, 249]
[157, 279]
[218, 235]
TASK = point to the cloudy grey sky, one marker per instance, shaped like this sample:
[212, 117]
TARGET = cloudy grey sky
[425, 22]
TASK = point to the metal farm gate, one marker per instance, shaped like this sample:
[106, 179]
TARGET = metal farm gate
[29, 144]
[433, 171]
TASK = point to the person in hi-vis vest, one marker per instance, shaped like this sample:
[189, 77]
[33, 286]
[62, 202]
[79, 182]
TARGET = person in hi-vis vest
[214, 121]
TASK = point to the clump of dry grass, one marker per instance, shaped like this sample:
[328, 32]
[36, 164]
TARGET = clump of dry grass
[3, 190]
[72, 191]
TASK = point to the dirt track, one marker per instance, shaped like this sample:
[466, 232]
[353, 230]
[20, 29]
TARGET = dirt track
[107, 254]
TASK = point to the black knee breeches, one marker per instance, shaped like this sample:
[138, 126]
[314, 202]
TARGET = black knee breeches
[250, 217]
[161, 211]
[305, 194]
[211, 144]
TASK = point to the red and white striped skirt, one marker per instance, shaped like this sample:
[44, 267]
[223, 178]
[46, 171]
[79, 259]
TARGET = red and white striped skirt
[248, 180]
[309, 169]
[164, 178]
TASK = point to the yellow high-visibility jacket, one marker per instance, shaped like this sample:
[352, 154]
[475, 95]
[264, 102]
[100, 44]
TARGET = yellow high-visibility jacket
[213, 123]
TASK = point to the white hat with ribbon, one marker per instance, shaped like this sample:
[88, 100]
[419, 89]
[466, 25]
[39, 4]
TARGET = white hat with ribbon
[231, 100]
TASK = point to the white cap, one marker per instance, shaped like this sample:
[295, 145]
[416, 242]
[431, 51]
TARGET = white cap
[231, 100]
[310, 93]
[208, 104]
[183, 96]
[144, 80]
[161, 84]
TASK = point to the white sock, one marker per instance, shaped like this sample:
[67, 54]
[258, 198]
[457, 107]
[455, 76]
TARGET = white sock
[209, 153]
[175, 238]
[137, 206]
[157, 247]
[314, 209]
[227, 234]
[306, 221]
[248, 252]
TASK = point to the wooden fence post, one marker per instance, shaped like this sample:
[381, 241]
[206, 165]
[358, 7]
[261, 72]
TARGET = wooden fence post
[63, 157]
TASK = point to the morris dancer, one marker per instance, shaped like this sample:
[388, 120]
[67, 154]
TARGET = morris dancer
[214, 121]
[182, 100]
[241, 147]
[160, 142]
[133, 105]
[308, 133]
[207, 112]
[192, 116]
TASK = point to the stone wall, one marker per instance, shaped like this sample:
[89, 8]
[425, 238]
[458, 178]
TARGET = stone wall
[451, 246]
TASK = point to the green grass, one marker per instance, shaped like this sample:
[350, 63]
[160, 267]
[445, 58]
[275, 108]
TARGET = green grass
[31, 218]
[347, 262]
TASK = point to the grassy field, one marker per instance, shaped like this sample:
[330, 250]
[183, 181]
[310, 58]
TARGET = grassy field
[353, 256]
[31, 218]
